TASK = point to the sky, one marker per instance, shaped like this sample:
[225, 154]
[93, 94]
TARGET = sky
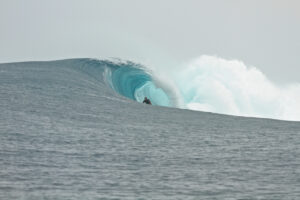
[261, 33]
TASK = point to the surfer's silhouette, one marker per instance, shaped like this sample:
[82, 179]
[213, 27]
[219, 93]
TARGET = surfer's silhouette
[147, 101]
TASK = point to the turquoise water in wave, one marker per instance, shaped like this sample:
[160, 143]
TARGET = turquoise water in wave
[67, 133]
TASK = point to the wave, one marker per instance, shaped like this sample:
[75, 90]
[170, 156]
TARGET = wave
[208, 84]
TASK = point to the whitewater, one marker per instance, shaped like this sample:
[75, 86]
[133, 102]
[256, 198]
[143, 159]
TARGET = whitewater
[76, 129]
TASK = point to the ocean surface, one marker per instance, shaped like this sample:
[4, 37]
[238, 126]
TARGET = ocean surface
[75, 129]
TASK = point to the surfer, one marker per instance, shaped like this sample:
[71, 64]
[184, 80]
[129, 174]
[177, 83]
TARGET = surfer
[147, 101]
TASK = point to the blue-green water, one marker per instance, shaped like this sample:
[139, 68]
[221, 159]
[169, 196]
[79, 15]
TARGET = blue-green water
[66, 134]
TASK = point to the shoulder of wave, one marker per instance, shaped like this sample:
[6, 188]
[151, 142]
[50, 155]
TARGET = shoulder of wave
[46, 61]
[113, 61]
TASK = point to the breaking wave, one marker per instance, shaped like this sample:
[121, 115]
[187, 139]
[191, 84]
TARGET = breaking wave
[208, 84]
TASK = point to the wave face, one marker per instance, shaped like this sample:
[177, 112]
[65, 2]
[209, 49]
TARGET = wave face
[132, 81]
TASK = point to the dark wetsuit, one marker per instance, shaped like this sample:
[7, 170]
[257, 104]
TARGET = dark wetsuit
[147, 101]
